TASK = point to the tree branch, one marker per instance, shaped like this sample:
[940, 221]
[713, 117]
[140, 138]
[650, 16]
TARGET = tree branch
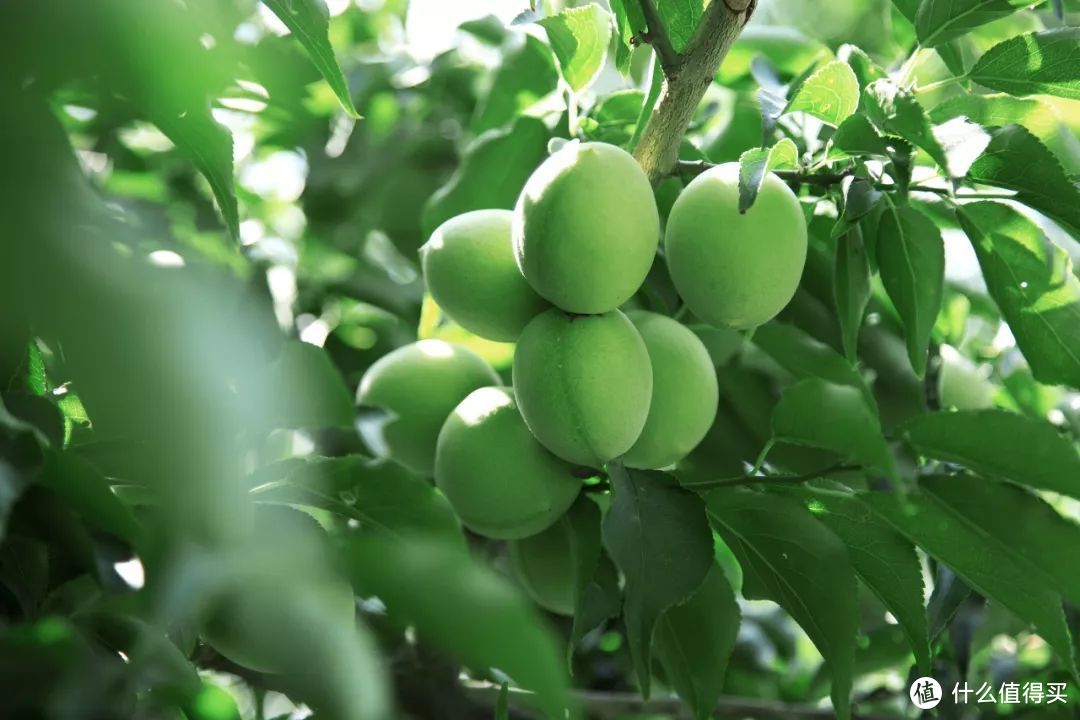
[693, 168]
[612, 705]
[686, 82]
[658, 36]
[771, 479]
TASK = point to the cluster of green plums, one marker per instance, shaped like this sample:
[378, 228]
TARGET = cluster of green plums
[591, 383]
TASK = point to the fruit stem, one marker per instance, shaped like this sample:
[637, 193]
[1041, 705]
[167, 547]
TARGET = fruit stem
[685, 84]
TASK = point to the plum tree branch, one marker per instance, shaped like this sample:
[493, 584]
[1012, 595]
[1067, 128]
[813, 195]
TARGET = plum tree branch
[611, 705]
[685, 83]
[692, 168]
[769, 479]
[658, 35]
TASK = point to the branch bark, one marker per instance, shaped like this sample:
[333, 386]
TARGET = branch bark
[685, 84]
[612, 705]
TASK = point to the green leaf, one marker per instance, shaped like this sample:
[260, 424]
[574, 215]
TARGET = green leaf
[491, 174]
[1034, 533]
[88, 494]
[851, 287]
[210, 147]
[911, 260]
[896, 112]
[999, 444]
[322, 398]
[21, 455]
[601, 601]
[658, 536]
[787, 556]
[865, 68]
[463, 608]
[310, 24]
[937, 22]
[526, 75]
[856, 137]
[907, 8]
[580, 38]
[884, 560]
[382, 496]
[980, 560]
[1041, 63]
[596, 582]
[681, 19]
[832, 417]
[629, 23]
[805, 357]
[1033, 283]
[992, 111]
[1016, 160]
[694, 641]
[830, 94]
[756, 163]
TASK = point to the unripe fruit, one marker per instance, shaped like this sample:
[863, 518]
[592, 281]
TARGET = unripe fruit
[586, 228]
[470, 270]
[418, 385]
[500, 481]
[735, 269]
[583, 384]
[544, 565]
[684, 393]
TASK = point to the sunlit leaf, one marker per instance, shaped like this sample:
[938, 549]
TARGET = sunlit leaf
[1033, 283]
[911, 258]
[830, 94]
[1043, 63]
[756, 163]
[1016, 160]
[309, 23]
[987, 441]
[580, 37]
[937, 22]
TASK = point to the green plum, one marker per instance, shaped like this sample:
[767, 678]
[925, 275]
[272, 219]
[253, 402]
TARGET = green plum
[684, 392]
[586, 228]
[417, 386]
[544, 565]
[735, 269]
[470, 270]
[500, 481]
[583, 384]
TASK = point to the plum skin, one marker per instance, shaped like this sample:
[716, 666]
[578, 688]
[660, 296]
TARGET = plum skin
[501, 482]
[418, 385]
[470, 271]
[544, 565]
[586, 228]
[684, 397]
[583, 384]
[733, 269]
